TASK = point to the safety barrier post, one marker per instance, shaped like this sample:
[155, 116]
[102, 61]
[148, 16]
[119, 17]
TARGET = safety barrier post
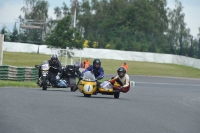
[1, 48]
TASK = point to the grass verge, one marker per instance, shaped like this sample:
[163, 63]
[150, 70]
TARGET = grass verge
[28, 84]
[6, 83]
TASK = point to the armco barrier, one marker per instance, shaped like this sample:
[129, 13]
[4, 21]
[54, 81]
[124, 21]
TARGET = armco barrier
[18, 73]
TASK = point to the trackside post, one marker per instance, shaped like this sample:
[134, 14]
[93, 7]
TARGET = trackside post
[1, 48]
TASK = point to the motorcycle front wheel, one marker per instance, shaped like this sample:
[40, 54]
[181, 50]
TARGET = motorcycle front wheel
[87, 95]
[44, 83]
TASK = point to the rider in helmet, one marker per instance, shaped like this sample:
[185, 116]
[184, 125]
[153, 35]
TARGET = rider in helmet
[123, 79]
[55, 68]
[76, 67]
[70, 70]
[96, 69]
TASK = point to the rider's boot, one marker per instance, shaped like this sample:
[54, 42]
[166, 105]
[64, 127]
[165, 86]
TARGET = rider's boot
[75, 88]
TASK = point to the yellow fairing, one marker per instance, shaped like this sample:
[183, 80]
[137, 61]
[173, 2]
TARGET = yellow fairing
[105, 90]
[116, 84]
[108, 89]
[87, 87]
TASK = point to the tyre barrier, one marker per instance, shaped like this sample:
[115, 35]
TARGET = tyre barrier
[18, 73]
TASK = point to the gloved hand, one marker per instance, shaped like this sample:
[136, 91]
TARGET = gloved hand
[117, 88]
[99, 78]
[57, 77]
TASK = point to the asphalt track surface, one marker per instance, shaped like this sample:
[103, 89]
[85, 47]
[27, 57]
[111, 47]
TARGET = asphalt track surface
[155, 105]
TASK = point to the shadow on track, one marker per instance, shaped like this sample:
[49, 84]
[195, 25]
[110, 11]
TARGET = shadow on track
[100, 97]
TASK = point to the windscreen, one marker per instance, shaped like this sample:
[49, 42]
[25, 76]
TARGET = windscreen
[45, 65]
[89, 76]
[106, 85]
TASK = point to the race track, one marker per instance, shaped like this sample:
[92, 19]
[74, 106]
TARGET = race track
[155, 105]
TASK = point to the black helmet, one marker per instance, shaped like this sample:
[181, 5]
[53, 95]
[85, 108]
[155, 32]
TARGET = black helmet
[76, 65]
[54, 58]
[121, 70]
[95, 62]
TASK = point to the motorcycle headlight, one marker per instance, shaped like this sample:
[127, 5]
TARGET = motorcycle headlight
[44, 72]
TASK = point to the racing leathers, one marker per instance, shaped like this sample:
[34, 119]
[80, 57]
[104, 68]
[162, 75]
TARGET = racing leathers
[124, 83]
[98, 72]
[55, 68]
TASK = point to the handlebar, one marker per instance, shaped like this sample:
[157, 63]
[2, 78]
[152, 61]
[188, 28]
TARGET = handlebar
[37, 66]
[53, 67]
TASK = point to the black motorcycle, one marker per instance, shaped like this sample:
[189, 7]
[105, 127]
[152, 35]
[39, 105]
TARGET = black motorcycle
[66, 79]
[69, 75]
[43, 80]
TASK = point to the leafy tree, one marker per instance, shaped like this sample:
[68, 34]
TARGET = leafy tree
[50, 25]
[132, 25]
[64, 36]
[126, 21]
[199, 33]
[177, 26]
[14, 37]
[65, 9]
[35, 10]
[6, 33]
[58, 12]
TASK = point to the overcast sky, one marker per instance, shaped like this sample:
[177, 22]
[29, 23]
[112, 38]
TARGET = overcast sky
[10, 10]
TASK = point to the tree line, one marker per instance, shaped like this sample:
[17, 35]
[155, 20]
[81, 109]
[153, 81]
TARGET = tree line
[130, 25]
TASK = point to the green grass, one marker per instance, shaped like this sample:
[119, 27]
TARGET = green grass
[23, 59]
[5, 83]
[30, 84]
[110, 66]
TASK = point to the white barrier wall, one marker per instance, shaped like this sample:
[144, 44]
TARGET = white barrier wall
[24, 47]
[138, 56]
[1, 48]
[108, 54]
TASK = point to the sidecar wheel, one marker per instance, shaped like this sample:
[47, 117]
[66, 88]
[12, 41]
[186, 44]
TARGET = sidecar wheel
[87, 95]
[116, 94]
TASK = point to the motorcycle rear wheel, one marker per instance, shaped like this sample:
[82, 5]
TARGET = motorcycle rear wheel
[116, 94]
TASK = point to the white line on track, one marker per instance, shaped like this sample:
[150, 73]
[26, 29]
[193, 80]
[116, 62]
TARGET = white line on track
[168, 84]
